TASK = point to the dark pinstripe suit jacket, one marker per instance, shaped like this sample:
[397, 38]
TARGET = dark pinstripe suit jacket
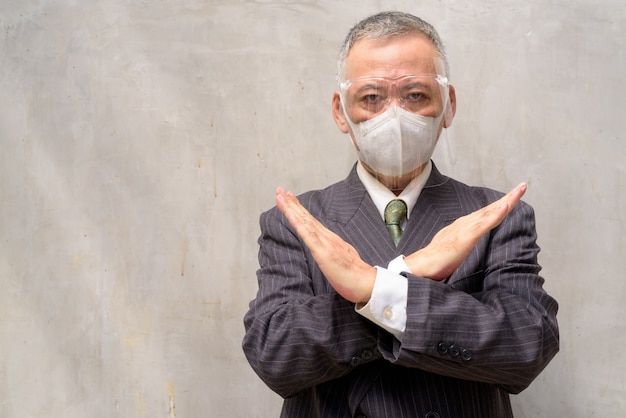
[485, 332]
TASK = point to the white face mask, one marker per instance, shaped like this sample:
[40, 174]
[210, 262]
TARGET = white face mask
[397, 141]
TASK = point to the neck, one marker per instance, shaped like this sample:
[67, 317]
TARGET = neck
[395, 184]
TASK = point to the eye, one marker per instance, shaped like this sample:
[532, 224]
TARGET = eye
[414, 97]
[373, 98]
[414, 93]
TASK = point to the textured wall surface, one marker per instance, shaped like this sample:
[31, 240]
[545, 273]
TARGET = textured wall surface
[140, 140]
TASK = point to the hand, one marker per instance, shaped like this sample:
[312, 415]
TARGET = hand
[339, 261]
[452, 244]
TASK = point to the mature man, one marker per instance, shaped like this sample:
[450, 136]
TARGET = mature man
[398, 292]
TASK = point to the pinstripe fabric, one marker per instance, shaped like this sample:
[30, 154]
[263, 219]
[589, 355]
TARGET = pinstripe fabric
[485, 332]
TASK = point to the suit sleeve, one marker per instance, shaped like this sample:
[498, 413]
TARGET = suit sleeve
[299, 331]
[492, 322]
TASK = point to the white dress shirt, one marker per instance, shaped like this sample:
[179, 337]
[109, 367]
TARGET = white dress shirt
[387, 305]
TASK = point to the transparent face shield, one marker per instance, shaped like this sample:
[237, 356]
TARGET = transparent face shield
[424, 91]
[395, 122]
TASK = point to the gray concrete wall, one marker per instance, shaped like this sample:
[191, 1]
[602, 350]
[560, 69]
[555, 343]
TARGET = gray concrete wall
[140, 140]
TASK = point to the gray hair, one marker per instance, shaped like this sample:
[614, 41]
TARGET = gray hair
[386, 25]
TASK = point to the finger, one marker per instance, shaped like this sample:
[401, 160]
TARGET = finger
[487, 218]
[287, 201]
[510, 200]
[289, 204]
[498, 210]
[288, 207]
[515, 195]
[281, 200]
[305, 224]
[507, 202]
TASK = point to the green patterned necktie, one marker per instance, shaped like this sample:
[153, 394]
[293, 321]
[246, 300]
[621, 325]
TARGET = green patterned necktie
[395, 213]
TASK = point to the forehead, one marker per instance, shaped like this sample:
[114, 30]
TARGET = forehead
[391, 57]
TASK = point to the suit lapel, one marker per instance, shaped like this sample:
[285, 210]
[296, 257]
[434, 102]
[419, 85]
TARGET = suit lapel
[437, 206]
[357, 221]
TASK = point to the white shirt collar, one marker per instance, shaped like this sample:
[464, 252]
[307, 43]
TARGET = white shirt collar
[381, 195]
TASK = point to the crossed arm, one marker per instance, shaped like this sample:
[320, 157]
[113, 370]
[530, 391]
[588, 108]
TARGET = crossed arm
[298, 334]
[354, 279]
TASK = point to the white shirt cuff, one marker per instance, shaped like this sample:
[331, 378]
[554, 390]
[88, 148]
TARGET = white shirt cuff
[398, 265]
[387, 305]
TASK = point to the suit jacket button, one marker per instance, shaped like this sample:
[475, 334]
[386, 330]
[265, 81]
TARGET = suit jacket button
[367, 355]
[455, 350]
[432, 414]
[355, 361]
[466, 354]
[443, 349]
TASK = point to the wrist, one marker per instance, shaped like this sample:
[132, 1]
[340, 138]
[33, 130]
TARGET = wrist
[414, 263]
[367, 286]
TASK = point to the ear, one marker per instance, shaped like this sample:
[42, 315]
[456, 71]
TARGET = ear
[450, 107]
[338, 115]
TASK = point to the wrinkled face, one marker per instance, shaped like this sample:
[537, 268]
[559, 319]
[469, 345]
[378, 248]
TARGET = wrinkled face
[406, 71]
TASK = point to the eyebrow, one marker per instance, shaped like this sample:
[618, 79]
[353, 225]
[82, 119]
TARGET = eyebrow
[369, 86]
[414, 83]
